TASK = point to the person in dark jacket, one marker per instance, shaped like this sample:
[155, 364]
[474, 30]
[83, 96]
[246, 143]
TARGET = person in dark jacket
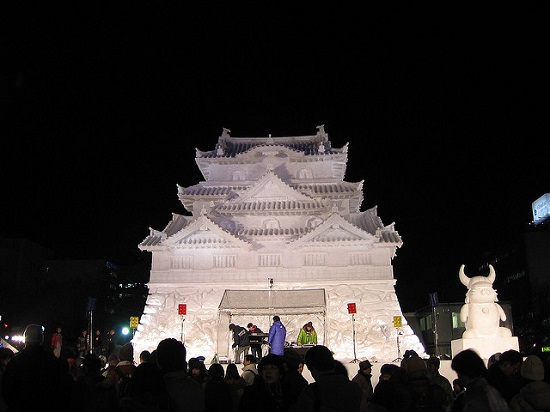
[82, 345]
[256, 346]
[236, 383]
[268, 391]
[331, 390]
[417, 392]
[241, 341]
[277, 337]
[217, 392]
[383, 397]
[363, 379]
[94, 391]
[535, 394]
[109, 344]
[458, 396]
[183, 393]
[34, 378]
[197, 371]
[97, 343]
[505, 374]
[293, 378]
[433, 363]
[480, 395]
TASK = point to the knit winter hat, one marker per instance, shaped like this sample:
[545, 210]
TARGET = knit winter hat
[532, 368]
[416, 366]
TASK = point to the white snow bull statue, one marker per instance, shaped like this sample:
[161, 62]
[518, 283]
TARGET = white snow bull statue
[481, 314]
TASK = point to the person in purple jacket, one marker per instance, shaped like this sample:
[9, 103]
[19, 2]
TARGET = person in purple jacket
[277, 336]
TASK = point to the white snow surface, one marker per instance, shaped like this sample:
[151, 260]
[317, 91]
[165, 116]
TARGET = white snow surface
[375, 336]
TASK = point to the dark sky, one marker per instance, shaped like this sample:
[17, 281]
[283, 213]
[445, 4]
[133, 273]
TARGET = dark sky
[445, 114]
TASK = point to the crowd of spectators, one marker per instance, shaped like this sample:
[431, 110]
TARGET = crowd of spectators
[165, 381]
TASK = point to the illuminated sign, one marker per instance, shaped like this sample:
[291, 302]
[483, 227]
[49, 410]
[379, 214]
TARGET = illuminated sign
[541, 208]
[397, 322]
[545, 349]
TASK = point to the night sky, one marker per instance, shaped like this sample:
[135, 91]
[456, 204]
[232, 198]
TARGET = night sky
[446, 117]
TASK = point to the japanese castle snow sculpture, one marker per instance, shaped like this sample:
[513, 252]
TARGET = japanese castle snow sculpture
[274, 230]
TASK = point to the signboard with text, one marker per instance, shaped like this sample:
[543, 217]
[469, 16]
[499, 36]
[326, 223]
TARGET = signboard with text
[352, 308]
[541, 208]
[182, 309]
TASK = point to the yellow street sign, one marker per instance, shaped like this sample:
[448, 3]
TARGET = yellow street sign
[397, 321]
[134, 320]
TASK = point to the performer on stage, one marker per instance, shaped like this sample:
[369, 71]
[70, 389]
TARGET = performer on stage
[277, 336]
[241, 341]
[255, 342]
[307, 335]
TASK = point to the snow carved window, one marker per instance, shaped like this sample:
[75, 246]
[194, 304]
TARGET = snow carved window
[270, 260]
[238, 175]
[315, 259]
[358, 259]
[305, 174]
[181, 262]
[271, 224]
[225, 261]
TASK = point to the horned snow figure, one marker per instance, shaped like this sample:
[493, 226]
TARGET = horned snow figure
[481, 314]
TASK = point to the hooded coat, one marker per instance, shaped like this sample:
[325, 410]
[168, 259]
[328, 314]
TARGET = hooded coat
[535, 396]
[276, 339]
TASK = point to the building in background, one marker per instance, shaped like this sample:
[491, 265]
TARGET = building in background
[522, 265]
[35, 288]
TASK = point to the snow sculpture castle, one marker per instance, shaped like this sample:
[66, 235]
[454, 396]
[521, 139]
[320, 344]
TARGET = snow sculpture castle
[274, 230]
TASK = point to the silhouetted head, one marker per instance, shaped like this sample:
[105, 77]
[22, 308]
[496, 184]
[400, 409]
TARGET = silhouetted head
[416, 367]
[216, 371]
[433, 360]
[171, 355]
[292, 359]
[91, 364]
[250, 358]
[232, 372]
[468, 364]
[271, 368]
[319, 358]
[34, 335]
